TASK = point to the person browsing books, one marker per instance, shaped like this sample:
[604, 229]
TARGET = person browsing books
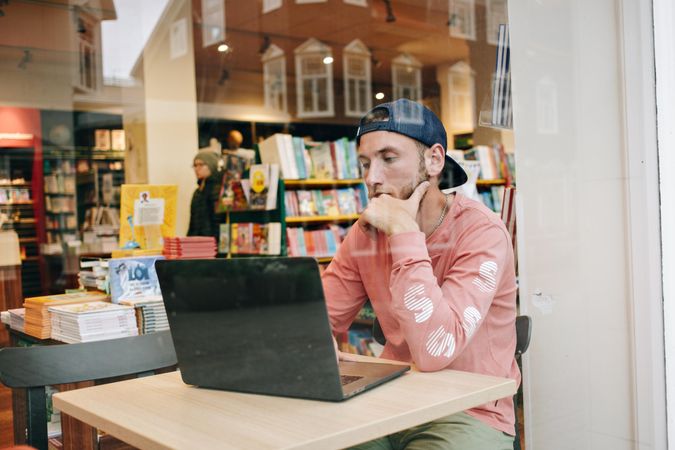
[438, 269]
[203, 219]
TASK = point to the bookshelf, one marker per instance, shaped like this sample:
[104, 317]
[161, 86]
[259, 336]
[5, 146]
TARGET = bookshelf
[319, 213]
[59, 198]
[21, 203]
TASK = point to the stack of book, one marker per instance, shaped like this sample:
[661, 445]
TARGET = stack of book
[17, 319]
[191, 247]
[37, 316]
[93, 274]
[93, 321]
[253, 238]
[150, 313]
[318, 243]
[321, 160]
[14, 318]
[327, 202]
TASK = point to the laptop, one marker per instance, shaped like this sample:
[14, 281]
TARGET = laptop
[259, 325]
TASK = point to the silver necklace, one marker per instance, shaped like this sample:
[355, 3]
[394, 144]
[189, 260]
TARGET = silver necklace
[440, 219]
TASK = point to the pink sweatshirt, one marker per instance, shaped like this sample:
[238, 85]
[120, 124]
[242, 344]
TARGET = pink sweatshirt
[447, 302]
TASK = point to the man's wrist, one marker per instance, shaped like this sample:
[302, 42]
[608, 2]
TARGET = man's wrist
[403, 227]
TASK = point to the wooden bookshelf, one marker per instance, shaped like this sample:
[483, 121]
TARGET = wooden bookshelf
[321, 219]
[495, 182]
[322, 183]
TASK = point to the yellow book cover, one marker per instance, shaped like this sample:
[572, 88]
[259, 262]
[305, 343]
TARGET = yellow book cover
[147, 215]
[74, 297]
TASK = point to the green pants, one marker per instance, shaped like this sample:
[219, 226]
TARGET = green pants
[456, 432]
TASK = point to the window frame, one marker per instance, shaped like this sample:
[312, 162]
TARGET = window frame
[356, 49]
[273, 55]
[469, 16]
[313, 48]
[408, 63]
[465, 124]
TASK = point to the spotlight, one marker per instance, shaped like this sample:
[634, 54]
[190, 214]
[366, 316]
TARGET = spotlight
[224, 76]
[328, 60]
[80, 26]
[265, 44]
[222, 48]
[390, 11]
[25, 59]
[379, 95]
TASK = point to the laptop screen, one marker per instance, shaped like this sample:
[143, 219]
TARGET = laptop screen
[250, 324]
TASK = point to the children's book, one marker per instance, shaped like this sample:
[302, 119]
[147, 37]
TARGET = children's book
[264, 181]
[133, 277]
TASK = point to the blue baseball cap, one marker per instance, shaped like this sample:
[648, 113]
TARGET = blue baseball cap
[418, 122]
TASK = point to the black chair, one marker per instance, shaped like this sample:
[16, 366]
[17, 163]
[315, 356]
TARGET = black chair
[523, 335]
[33, 368]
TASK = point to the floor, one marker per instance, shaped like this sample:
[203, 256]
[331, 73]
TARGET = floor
[6, 429]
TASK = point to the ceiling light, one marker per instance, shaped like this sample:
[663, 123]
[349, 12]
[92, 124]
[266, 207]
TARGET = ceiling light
[379, 95]
[222, 48]
[328, 60]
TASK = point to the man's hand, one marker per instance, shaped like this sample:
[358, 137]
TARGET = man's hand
[342, 356]
[392, 215]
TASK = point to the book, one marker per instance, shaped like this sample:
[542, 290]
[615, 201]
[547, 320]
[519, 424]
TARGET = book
[306, 206]
[322, 162]
[224, 238]
[256, 238]
[278, 149]
[37, 320]
[264, 186]
[147, 215]
[133, 277]
[92, 321]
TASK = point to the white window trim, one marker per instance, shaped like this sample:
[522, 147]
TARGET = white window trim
[272, 55]
[471, 8]
[271, 5]
[95, 46]
[407, 62]
[363, 3]
[636, 37]
[312, 48]
[213, 18]
[357, 49]
[456, 125]
[492, 29]
[301, 2]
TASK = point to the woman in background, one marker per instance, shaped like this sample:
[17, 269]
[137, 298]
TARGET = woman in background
[203, 219]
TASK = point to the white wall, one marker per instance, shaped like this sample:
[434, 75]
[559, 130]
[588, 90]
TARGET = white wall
[171, 110]
[580, 195]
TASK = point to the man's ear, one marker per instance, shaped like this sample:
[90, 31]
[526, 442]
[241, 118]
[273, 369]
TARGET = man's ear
[435, 160]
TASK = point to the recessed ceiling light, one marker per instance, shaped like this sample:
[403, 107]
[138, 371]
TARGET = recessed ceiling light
[379, 95]
[223, 48]
[328, 60]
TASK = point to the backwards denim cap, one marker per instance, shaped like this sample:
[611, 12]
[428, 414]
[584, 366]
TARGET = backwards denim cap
[418, 122]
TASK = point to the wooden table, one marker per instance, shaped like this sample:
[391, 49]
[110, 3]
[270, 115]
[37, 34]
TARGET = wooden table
[162, 412]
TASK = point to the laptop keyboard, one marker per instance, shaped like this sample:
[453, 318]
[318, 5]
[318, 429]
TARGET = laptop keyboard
[346, 379]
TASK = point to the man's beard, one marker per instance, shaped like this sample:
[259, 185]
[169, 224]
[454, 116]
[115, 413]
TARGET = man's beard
[422, 175]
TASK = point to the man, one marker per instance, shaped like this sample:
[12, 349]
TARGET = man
[438, 270]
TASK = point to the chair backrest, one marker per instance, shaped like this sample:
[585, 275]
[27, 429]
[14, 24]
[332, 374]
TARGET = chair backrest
[42, 365]
[38, 366]
[523, 333]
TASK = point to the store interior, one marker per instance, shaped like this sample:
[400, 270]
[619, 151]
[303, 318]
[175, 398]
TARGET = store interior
[114, 92]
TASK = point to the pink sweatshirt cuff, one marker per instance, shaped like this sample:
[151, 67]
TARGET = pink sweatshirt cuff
[408, 246]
